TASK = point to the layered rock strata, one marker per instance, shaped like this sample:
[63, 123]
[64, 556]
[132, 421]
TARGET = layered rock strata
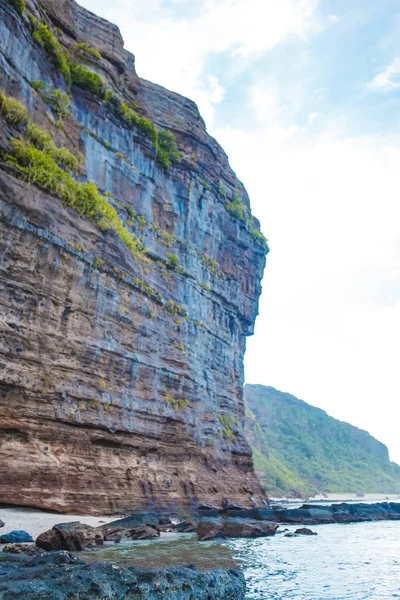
[120, 378]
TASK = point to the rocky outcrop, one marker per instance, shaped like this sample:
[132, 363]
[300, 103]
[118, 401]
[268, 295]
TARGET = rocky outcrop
[337, 513]
[60, 576]
[120, 378]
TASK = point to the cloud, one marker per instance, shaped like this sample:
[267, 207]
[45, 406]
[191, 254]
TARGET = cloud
[174, 50]
[388, 80]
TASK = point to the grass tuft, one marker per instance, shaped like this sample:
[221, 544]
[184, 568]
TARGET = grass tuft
[89, 50]
[14, 112]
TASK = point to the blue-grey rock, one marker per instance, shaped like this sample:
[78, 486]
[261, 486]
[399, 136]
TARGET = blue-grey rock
[136, 401]
[61, 576]
[16, 537]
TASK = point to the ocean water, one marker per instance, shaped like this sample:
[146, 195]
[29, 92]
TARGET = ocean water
[343, 562]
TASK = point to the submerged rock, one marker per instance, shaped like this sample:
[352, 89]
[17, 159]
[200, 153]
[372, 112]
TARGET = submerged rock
[16, 537]
[62, 576]
[305, 531]
[70, 536]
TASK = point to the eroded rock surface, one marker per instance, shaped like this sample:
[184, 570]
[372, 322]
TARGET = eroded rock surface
[73, 537]
[211, 528]
[61, 576]
[121, 382]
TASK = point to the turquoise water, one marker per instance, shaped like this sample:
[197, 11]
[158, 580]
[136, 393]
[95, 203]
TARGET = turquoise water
[343, 562]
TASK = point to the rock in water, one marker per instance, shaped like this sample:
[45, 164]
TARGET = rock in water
[1, 523]
[61, 576]
[16, 537]
[305, 531]
[210, 528]
[124, 368]
[70, 536]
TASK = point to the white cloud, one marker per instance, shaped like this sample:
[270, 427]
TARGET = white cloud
[334, 19]
[173, 51]
[329, 320]
[388, 80]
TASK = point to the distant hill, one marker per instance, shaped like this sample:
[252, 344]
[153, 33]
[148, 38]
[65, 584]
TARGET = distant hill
[299, 449]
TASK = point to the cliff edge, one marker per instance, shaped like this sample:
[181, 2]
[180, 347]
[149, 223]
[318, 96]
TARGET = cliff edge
[130, 269]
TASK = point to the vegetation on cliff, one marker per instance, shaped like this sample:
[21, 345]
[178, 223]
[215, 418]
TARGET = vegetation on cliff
[300, 450]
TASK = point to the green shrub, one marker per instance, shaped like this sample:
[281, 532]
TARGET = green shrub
[176, 403]
[167, 151]
[163, 141]
[53, 48]
[86, 79]
[40, 168]
[176, 309]
[43, 141]
[58, 100]
[259, 238]
[89, 50]
[227, 421]
[173, 261]
[14, 112]
[237, 208]
[19, 5]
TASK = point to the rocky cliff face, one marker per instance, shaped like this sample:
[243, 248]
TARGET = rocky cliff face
[121, 367]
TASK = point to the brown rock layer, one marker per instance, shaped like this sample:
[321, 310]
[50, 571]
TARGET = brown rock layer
[109, 399]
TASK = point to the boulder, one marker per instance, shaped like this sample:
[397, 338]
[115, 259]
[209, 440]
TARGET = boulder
[210, 528]
[187, 526]
[16, 537]
[248, 528]
[1, 523]
[70, 536]
[62, 576]
[135, 527]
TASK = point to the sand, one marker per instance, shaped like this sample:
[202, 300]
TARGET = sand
[36, 521]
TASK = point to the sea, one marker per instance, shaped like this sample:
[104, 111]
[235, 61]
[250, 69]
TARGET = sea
[358, 561]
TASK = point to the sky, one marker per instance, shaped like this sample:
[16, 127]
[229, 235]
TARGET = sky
[304, 96]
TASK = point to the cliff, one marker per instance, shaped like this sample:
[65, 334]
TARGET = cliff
[299, 449]
[124, 303]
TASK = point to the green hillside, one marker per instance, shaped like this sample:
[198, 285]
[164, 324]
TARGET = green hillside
[300, 450]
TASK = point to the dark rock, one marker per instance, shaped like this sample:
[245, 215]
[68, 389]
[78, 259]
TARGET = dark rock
[164, 521]
[135, 527]
[247, 528]
[62, 576]
[1, 523]
[16, 537]
[313, 514]
[227, 505]
[187, 526]
[73, 537]
[206, 506]
[28, 549]
[211, 528]
[143, 532]
[305, 531]
[132, 521]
